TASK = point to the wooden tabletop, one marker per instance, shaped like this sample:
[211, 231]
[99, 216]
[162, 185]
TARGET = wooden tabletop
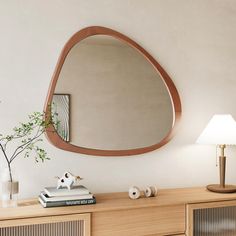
[117, 201]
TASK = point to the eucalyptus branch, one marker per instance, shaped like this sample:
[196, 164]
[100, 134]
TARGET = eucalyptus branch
[24, 146]
[28, 135]
[26, 143]
[3, 146]
[23, 149]
[4, 153]
[14, 136]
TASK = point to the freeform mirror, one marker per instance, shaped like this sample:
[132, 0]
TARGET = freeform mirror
[111, 96]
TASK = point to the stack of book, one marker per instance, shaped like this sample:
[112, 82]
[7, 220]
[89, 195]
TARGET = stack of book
[78, 195]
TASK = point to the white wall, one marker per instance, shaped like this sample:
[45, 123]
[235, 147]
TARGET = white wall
[193, 40]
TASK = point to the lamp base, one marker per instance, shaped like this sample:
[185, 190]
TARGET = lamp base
[218, 189]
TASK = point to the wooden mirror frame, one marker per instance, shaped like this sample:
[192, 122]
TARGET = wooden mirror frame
[51, 133]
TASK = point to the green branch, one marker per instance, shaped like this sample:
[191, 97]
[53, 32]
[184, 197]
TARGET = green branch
[4, 153]
[23, 147]
[28, 133]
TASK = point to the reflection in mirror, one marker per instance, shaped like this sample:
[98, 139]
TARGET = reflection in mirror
[119, 101]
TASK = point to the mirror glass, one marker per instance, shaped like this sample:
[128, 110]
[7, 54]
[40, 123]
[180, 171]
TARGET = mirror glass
[118, 99]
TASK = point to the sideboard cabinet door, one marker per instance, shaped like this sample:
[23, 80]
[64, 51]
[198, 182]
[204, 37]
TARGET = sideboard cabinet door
[212, 219]
[65, 225]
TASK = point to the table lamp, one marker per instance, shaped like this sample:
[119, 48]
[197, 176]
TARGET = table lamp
[220, 131]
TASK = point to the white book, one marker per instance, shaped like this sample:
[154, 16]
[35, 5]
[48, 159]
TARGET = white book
[67, 203]
[76, 190]
[46, 198]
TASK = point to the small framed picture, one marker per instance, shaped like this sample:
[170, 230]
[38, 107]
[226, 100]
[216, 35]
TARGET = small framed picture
[61, 107]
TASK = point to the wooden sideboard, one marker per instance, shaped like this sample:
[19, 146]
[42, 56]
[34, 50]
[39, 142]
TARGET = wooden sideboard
[170, 213]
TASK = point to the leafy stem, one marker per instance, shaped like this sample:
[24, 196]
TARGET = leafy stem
[4, 153]
[26, 137]
[23, 147]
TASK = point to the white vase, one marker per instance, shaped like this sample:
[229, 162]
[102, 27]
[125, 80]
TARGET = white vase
[10, 188]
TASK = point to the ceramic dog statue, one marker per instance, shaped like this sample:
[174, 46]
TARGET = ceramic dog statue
[67, 180]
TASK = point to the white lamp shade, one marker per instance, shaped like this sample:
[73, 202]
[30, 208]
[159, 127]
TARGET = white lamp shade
[221, 129]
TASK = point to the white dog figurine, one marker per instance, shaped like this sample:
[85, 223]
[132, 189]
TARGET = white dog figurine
[67, 180]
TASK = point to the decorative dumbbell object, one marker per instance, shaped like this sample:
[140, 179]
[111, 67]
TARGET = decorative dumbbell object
[135, 193]
[150, 191]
